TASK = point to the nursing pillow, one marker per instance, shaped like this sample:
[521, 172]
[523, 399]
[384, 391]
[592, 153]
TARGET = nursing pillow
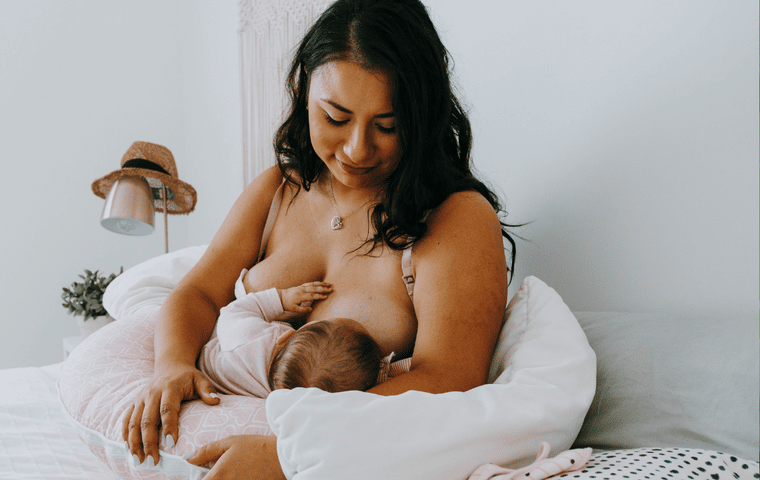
[103, 376]
[542, 373]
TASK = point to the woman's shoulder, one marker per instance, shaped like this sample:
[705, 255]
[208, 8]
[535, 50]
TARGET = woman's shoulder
[270, 177]
[465, 224]
[257, 193]
[462, 212]
[290, 177]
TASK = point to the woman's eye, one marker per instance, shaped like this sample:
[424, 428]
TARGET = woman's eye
[338, 123]
[332, 121]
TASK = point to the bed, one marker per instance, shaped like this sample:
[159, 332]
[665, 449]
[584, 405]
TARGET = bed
[646, 395]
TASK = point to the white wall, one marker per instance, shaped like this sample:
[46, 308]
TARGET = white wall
[627, 132]
[79, 82]
[212, 113]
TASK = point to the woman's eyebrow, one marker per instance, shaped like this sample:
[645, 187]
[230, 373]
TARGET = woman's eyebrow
[345, 110]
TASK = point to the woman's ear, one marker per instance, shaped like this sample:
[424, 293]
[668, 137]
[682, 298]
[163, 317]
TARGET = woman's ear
[283, 339]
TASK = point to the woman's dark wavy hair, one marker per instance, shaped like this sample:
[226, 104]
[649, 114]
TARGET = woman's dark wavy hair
[398, 38]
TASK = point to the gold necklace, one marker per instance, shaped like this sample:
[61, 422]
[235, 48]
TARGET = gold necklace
[337, 221]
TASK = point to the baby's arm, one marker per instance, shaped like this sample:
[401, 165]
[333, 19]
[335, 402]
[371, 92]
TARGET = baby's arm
[292, 298]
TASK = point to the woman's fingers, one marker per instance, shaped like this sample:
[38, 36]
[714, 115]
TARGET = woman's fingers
[171, 401]
[134, 437]
[150, 426]
[154, 417]
[210, 453]
[170, 404]
[243, 457]
[206, 390]
[125, 422]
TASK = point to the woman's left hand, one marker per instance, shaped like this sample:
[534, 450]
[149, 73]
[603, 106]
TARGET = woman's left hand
[241, 457]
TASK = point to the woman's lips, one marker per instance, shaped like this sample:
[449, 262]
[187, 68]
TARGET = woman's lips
[354, 170]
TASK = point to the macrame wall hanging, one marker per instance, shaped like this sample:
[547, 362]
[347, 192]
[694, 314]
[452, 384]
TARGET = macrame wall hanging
[269, 33]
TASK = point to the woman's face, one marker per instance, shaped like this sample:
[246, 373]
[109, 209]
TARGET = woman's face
[352, 123]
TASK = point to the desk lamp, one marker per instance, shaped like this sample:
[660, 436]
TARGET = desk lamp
[146, 183]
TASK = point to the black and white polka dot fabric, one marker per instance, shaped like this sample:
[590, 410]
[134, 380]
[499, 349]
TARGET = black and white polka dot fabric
[665, 464]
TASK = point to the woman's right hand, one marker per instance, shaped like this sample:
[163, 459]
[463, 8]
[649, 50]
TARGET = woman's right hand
[187, 320]
[156, 409]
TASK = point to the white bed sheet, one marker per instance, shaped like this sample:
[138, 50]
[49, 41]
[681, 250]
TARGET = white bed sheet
[37, 442]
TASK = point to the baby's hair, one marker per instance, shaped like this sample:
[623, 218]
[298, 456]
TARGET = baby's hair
[333, 356]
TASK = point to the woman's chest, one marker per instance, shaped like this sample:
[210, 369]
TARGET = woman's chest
[367, 287]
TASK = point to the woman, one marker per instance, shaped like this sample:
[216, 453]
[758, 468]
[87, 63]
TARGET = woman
[374, 157]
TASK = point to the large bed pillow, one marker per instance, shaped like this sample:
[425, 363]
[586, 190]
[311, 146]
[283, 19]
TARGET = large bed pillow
[544, 376]
[543, 369]
[149, 283]
[674, 380]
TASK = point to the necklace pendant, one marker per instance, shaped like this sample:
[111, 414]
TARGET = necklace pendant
[336, 223]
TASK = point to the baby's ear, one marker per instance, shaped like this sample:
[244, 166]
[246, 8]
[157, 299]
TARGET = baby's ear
[283, 339]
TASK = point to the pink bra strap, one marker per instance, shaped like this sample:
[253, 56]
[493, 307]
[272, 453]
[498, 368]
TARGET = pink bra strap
[406, 270]
[274, 209]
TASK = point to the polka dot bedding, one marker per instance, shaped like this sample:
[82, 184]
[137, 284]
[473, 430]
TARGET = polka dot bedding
[664, 464]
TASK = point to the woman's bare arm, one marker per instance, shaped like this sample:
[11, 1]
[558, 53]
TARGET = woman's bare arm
[188, 317]
[460, 292]
[189, 314]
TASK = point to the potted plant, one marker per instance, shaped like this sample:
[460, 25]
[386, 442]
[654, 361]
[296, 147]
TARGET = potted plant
[85, 299]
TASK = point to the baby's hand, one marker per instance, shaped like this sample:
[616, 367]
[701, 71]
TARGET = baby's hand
[291, 298]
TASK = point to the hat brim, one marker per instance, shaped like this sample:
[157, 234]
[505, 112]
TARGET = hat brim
[181, 202]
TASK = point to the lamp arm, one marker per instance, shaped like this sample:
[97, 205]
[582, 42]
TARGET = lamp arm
[166, 220]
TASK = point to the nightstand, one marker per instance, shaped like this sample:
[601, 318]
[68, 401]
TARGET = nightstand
[69, 344]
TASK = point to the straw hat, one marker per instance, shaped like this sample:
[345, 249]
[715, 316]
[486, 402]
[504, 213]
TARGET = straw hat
[156, 164]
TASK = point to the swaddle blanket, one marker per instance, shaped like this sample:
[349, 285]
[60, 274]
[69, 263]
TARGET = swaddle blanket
[542, 468]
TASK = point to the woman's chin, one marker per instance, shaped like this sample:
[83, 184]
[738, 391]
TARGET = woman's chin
[364, 179]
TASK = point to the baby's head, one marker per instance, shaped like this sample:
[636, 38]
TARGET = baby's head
[332, 355]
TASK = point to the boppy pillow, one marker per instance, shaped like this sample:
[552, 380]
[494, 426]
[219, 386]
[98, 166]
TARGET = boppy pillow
[543, 375]
[102, 377]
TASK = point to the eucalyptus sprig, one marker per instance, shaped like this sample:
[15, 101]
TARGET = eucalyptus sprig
[86, 298]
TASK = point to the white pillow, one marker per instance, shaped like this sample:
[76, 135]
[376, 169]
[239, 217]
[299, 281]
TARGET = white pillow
[674, 380]
[544, 373]
[149, 283]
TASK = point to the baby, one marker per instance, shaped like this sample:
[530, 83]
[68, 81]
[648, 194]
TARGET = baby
[252, 353]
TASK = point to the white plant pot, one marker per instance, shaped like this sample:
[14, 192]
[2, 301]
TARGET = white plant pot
[91, 325]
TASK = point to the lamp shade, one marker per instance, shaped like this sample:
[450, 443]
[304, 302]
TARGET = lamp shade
[129, 207]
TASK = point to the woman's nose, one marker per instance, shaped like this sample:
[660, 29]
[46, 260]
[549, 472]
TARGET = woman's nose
[358, 146]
